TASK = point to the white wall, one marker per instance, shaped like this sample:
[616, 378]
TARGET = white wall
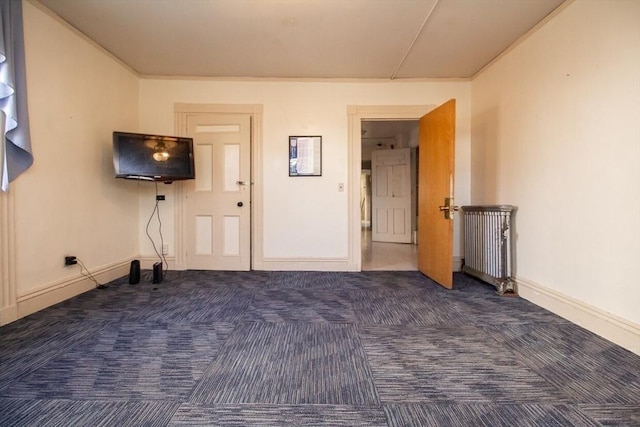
[303, 218]
[556, 131]
[68, 202]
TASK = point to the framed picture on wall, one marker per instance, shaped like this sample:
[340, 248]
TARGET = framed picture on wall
[305, 156]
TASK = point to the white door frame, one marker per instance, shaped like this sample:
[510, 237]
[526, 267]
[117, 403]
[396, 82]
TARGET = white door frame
[357, 113]
[8, 291]
[255, 111]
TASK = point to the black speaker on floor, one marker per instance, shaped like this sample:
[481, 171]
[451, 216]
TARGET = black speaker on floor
[134, 272]
[157, 272]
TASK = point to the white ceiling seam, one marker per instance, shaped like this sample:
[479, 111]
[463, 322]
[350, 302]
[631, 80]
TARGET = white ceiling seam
[413, 42]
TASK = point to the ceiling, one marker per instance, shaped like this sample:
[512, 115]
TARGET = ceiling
[379, 134]
[342, 39]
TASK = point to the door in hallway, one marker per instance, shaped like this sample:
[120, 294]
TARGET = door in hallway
[391, 195]
[218, 225]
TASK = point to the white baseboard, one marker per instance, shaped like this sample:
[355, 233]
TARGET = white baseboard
[53, 293]
[609, 326]
[146, 263]
[8, 314]
[303, 264]
[457, 263]
[320, 264]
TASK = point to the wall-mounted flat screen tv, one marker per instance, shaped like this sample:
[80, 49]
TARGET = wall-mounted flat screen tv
[153, 157]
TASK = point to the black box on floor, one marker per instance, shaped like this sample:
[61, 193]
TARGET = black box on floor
[157, 272]
[134, 272]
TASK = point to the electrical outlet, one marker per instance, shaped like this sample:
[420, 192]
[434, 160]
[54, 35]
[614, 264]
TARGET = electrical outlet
[165, 249]
[70, 260]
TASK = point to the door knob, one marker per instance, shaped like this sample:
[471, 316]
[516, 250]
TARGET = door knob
[240, 204]
[449, 208]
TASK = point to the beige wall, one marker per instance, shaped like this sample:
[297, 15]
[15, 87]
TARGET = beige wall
[303, 218]
[556, 131]
[68, 202]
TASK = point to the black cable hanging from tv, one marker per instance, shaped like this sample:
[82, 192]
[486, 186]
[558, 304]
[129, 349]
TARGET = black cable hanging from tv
[164, 265]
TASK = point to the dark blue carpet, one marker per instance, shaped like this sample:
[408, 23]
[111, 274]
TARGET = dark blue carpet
[309, 348]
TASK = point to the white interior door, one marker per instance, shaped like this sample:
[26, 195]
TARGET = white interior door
[391, 195]
[218, 200]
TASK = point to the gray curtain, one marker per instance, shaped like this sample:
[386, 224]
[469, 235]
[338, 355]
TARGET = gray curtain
[15, 145]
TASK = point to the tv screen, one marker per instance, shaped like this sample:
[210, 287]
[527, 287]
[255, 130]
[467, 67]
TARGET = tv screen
[153, 157]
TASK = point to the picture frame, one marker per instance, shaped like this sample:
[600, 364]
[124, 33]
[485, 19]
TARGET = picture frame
[305, 155]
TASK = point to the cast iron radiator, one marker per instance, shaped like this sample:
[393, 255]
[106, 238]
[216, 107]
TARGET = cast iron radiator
[488, 245]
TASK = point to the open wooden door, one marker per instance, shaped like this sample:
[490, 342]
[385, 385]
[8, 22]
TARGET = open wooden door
[435, 194]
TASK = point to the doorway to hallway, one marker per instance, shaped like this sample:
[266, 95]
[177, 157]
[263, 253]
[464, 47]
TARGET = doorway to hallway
[378, 137]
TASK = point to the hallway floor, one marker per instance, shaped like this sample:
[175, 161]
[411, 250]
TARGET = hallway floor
[387, 256]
